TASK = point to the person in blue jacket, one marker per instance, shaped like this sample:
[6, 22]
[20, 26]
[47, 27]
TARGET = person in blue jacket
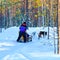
[22, 31]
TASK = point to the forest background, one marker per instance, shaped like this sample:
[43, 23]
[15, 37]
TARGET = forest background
[36, 13]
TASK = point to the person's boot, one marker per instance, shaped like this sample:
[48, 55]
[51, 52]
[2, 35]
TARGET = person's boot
[24, 41]
[17, 40]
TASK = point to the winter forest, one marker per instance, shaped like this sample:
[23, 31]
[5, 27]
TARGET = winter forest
[37, 13]
[40, 15]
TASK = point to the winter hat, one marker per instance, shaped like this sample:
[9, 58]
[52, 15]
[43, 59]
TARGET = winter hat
[24, 22]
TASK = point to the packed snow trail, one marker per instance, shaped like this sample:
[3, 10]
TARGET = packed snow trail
[27, 51]
[38, 49]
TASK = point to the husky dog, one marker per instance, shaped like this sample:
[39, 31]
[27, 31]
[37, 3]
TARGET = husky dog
[42, 34]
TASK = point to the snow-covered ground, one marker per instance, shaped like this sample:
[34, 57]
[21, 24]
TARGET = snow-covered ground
[38, 49]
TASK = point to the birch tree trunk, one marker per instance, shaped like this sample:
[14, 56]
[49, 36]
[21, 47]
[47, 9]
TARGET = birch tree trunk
[58, 27]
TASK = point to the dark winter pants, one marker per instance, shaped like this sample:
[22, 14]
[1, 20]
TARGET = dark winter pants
[22, 34]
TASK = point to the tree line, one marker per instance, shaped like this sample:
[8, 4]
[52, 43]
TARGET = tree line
[36, 13]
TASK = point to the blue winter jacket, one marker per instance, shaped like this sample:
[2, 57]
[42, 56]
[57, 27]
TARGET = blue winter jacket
[22, 28]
